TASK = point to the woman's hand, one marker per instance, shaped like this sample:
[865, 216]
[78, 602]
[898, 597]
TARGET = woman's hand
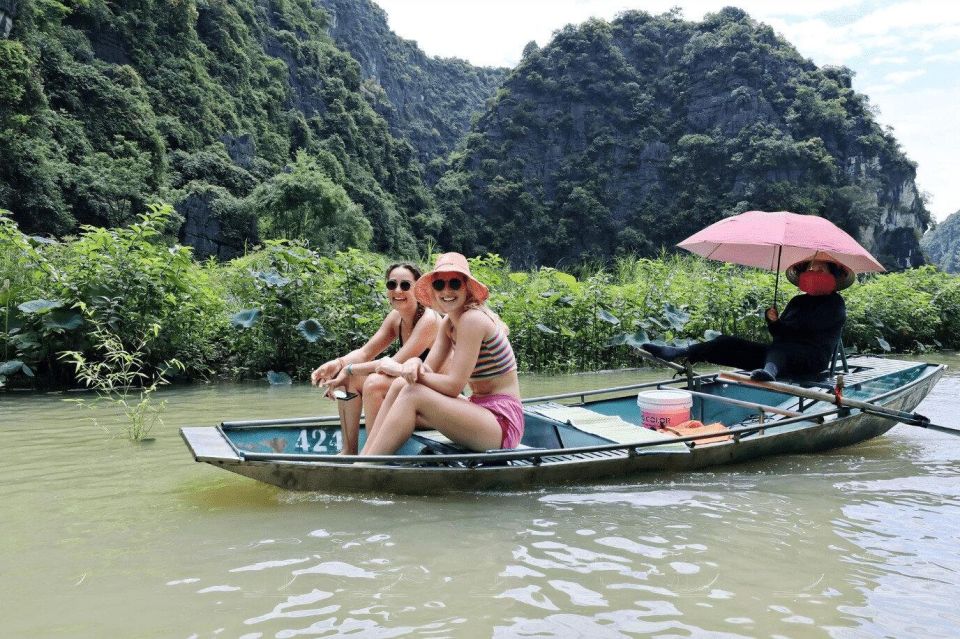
[389, 367]
[410, 370]
[326, 371]
[337, 382]
[772, 314]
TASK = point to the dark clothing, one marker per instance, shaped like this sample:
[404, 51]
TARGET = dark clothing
[416, 318]
[804, 337]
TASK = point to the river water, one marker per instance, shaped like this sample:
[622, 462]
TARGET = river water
[105, 538]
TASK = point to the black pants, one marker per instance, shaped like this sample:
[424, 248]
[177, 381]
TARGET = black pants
[789, 358]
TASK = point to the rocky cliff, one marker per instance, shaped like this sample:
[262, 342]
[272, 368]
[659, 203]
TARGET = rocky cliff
[942, 244]
[427, 100]
[630, 135]
[8, 12]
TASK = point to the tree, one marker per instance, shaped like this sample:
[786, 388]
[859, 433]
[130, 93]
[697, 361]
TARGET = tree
[304, 203]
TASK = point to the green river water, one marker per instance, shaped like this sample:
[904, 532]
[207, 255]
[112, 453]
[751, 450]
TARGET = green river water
[105, 538]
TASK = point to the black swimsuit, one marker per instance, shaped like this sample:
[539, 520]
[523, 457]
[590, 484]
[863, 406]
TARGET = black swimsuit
[416, 318]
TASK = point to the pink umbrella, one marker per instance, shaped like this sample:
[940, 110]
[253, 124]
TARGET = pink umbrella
[776, 241]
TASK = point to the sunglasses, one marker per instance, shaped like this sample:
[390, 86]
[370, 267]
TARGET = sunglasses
[403, 284]
[454, 284]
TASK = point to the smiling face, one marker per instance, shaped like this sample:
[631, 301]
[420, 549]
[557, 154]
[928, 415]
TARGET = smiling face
[401, 299]
[447, 299]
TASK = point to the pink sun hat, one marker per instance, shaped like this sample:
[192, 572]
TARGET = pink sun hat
[449, 263]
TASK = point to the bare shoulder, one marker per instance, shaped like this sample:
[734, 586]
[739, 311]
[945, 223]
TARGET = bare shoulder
[392, 321]
[477, 321]
[431, 317]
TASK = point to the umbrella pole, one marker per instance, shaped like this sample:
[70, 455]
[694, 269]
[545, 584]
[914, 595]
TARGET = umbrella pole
[776, 286]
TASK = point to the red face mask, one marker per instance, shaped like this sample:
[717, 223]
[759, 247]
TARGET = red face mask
[817, 283]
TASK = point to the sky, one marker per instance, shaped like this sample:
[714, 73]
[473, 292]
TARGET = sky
[905, 53]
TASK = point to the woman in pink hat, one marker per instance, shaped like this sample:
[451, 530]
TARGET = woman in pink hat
[471, 347]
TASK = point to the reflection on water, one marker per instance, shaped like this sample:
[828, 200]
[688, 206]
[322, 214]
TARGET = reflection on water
[107, 538]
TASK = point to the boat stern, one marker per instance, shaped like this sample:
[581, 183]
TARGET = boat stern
[208, 444]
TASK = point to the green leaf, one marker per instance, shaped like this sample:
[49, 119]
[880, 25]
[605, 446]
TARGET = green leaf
[711, 334]
[247, 318]
[677, 317]
[10, 367]
[884, 344]
[278, 379]
[617, 340]
[40, 306]
[272, 278]
[63, 320]
[638, 339]
[311, 330]
[543, 328]
[605, 315]
[654, 322]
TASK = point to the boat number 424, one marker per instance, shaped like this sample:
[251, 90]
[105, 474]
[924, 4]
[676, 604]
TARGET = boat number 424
[319, 440]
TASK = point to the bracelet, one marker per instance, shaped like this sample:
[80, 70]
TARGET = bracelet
[350, 370]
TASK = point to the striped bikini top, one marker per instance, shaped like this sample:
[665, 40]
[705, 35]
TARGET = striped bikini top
[495, 357]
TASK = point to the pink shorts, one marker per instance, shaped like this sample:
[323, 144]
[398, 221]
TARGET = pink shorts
[509, 413]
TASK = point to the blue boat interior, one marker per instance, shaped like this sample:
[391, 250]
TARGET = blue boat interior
[711, 404]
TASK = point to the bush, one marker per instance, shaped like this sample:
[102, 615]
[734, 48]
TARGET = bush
[285, 307]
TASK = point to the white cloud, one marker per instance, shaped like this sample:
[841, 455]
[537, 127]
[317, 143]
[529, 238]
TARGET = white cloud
[953, 56]
[927, 124]
[893, 59]
[899, 77]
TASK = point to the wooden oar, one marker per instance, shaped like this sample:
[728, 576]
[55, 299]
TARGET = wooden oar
[914, 419]
[686, 369]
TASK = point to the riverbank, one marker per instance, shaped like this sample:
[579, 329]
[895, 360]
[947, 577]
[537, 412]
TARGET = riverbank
[286, 308]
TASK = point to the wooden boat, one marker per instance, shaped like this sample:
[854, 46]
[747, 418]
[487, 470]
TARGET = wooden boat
[581, 437]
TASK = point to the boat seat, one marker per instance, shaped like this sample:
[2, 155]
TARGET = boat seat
[609, 427]
[838, 352]
[437, 442]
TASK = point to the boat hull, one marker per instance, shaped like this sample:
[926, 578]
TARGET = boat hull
[842, 429]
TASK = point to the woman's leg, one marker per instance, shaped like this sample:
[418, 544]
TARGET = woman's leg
[463, 422]
[375, 390]
[349, 410]
[397, 385]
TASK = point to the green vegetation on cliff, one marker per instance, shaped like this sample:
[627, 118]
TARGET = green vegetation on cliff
[106, 105]
[255, 121]
[623, 137]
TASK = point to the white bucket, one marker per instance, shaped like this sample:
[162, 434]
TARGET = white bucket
[664, 408]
